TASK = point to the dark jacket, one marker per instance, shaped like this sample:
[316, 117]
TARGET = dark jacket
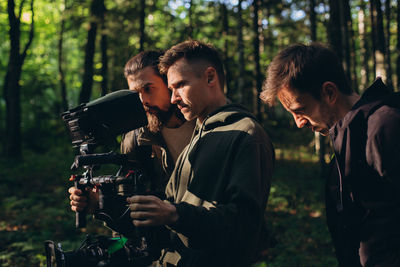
[364, 201]
[151, 151]
[220, 187]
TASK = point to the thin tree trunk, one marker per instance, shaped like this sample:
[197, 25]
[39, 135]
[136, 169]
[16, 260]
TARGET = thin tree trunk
[257, 70]
[190, 14]
[351, 46]
[335, 35]
[104, 57]
[97, 8]
[398, 47]
[313, 21]
[379, 37]
[381, 44]
[345, 38]
[373, 37]
[225, 31]
[12, 94]
[364, 53]
[241, 53]
[389, 81]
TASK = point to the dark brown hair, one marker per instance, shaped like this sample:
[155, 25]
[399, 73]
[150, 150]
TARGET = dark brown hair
[142, 60]
[193, 50]
[304, 68]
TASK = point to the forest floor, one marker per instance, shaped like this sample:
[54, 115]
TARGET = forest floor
[34, 207]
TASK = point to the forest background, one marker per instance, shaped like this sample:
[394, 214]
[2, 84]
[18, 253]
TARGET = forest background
[56, 54]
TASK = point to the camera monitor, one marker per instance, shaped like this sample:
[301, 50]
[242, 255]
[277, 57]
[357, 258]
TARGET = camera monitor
[104, 118]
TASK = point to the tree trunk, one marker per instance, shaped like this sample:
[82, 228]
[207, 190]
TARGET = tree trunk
[362, 30]
[398, 47]
[313, 21]
[334, 28]
[225, 31]
[63, 85]
[257, 69]
[351, 46]
[104, 58]
[96, 9]
[378, 38]
[190, 15]
[388, 60]
[338, 33]
[373, 38]
[241, 53]
[344, 30]
[12, 95]
[142, 23]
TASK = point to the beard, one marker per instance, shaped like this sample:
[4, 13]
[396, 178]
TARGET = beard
[157, 118]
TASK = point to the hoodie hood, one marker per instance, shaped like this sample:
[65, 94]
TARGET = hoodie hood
[374, 97]
[226, 115]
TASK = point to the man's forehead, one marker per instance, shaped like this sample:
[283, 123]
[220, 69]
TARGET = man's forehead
[289, 97]
[184, 67]
[142, 78]
[177, 70]
[136, 83]
[179, 65]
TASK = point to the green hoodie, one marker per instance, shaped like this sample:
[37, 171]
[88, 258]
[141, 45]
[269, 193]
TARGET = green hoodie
[220, 187]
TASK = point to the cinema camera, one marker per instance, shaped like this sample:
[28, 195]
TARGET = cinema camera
[90, 125]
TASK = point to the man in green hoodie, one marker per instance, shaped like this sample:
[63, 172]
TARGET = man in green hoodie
[219, 188]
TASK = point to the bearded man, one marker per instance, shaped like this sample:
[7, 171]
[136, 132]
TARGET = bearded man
[157, 145]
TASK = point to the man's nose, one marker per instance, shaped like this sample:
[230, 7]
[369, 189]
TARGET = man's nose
[175, 97]
[300, 121]
[144, 99]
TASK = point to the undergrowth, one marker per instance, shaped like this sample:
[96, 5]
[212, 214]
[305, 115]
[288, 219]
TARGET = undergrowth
[34, 207]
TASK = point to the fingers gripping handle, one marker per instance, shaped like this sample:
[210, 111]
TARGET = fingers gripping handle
[80, 216]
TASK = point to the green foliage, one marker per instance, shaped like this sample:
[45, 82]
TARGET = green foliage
[296, 217]
[35, 207]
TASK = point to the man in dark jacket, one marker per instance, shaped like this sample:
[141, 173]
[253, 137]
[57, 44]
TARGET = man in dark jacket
[363, 196]
[219, 188]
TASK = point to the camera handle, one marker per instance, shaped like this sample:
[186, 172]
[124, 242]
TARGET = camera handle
[80, 182]
[80, 216]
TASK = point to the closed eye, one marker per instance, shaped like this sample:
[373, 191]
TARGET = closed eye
[177, 85]
[180, 85]
[299, 111]
[147, 88]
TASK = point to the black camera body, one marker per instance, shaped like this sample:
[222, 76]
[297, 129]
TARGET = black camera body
[92, 124]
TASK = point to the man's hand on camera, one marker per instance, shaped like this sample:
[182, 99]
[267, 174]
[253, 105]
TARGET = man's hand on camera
[78, 202]
[151, 211]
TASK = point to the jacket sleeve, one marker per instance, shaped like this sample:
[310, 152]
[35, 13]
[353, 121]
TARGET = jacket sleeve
[236, 223]
[383, 145]
[128, 143]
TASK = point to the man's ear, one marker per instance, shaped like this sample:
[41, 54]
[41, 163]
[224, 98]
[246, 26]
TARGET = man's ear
[211, 75]
[329, 92]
